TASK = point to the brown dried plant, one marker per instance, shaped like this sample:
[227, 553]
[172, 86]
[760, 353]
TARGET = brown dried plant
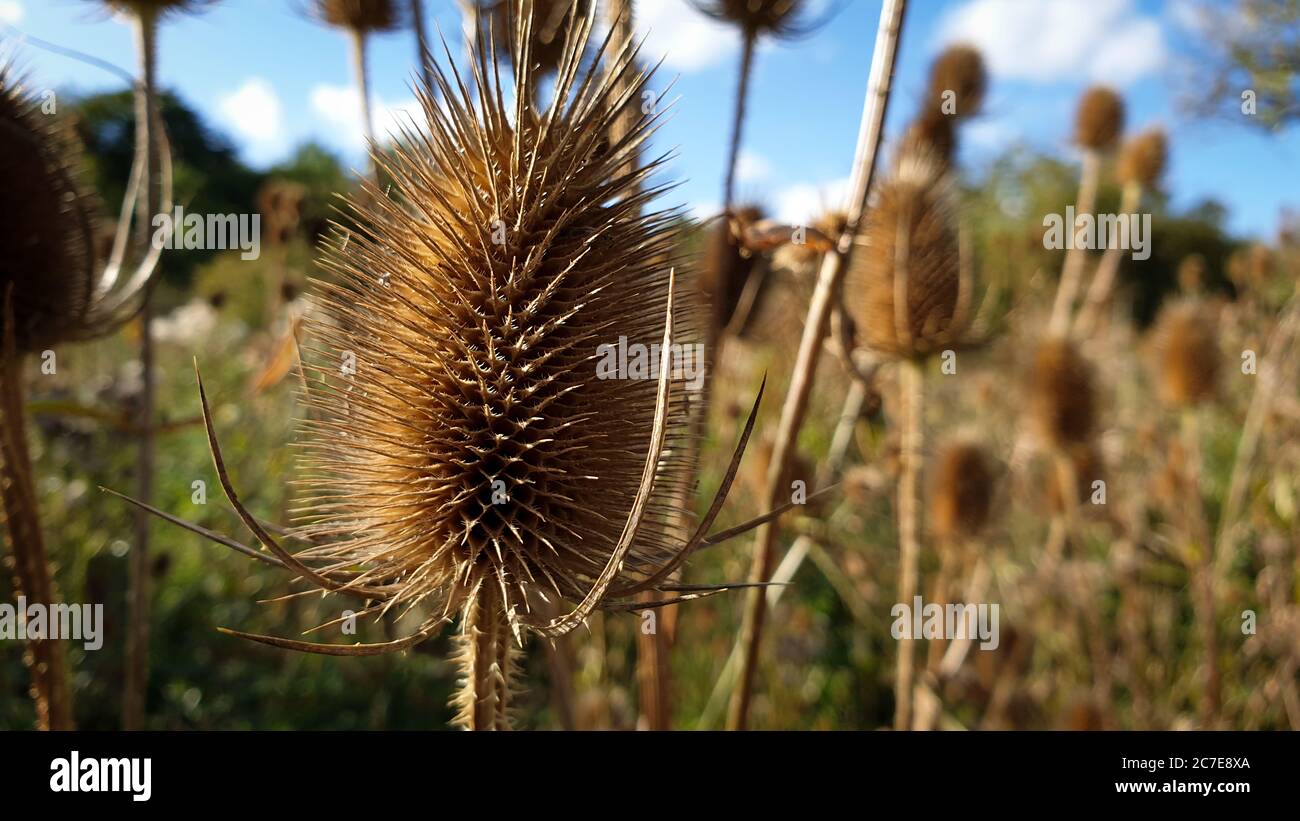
[470, 457]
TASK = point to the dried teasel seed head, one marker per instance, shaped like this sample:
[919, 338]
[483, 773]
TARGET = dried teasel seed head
[48, 235]
[1062, 403]
[1142, 159]
[911, 252]
[959, 69]
[360, 15]
[727, 266]
[550, 20]
[773, 18]
[961, 493]
[154, 9]
[280, 203]
[487, 399]
[1187, 354]
[933, 132]
[1099, 120]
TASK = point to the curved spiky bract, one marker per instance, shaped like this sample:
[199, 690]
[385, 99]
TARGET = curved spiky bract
[47, 233]
[474, 431]
[904, 288]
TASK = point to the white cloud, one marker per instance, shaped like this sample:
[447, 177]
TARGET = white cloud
[801, 204]
[11, 12]
[340, 107]
[1047, 41]
[751, 167]
[253, 111]
[685, 38]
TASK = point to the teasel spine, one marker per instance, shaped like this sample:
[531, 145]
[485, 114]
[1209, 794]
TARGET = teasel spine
[826, 292]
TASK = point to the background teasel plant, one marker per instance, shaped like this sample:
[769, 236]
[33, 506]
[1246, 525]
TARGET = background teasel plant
[955, 92]
[471, 456]
[1098, 123]
[906, 295]
[359, 19]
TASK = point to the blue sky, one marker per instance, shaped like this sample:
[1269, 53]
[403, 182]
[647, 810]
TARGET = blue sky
[271, 78]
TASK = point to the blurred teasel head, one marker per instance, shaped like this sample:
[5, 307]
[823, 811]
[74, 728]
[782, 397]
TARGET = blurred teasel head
[755, 18]
[47, 270]
[961, 493]
[547, 20]
[1142, 159]
[957, 74]
[1187, 354]
[365, 16]
[1099, 120]
[728, 267]
[904, 290]
[1062, 403]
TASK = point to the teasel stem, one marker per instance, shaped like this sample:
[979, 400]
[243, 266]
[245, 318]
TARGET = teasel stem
[927, 710]
[1103, 282]
[1075, 257]
[357, 40]
[810, 345]
[18, 508]
[1203, 573]
[421, 38]
[911, 391]
[147, 123]
[748, 39]
[487, 662]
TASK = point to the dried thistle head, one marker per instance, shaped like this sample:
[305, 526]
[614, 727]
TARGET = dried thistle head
[155, 9]
[548, 22]
[366, 16]
[1142, 159]
[1187, 354]
[958, 71]
[961, 493]
[904, 288]
[771, 18]
[727, 266]
[1099, 119]
[49, 236]
[1062, 404]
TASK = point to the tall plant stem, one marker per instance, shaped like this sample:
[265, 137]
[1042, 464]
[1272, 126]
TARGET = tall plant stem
[486, 655]
[911, 395]
[147, 122]
[738, 121]
[422, 41]
[1103, 282]
[357, 39]
[1075, 257]
[1203, 572]
[810, 345]
[33, 578]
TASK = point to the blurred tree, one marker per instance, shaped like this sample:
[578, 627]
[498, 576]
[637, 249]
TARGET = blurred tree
[1250, 50]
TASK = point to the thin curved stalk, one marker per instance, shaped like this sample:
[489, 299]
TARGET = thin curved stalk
[357, 40]
[738, 119]
[138, 615]
[1103, 282]
[810, 345]
[911, 390]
